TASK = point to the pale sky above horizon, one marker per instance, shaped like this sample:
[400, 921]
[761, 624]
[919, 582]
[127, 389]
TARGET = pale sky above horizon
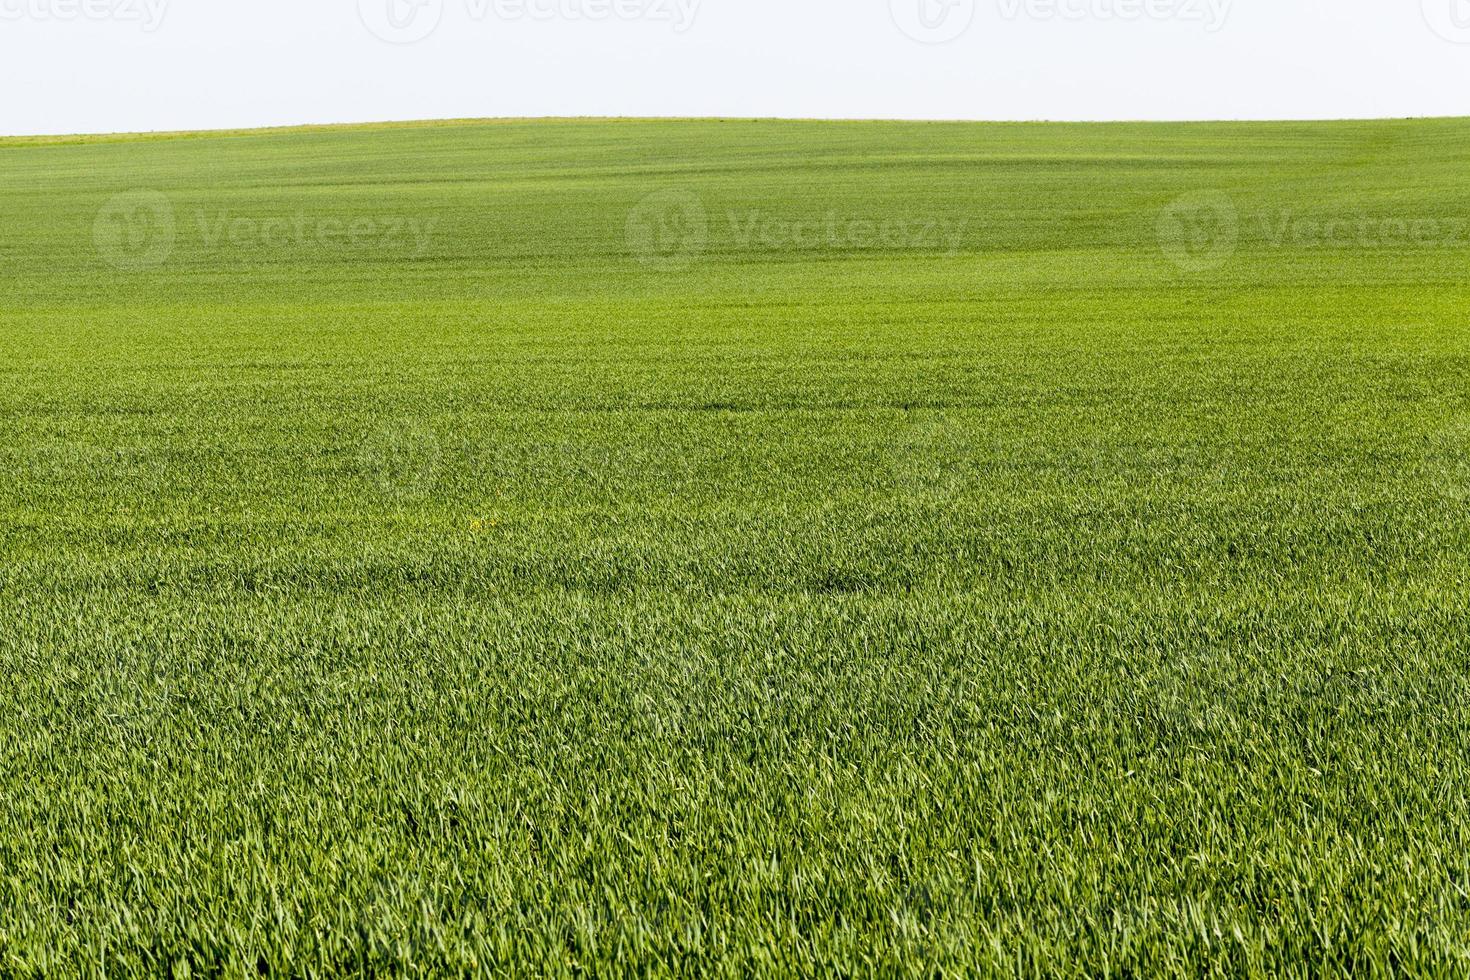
[78, 66]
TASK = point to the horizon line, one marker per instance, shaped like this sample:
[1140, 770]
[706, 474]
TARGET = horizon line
[490, 120]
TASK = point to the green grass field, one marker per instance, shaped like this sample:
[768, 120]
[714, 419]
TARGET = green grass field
[716, 548]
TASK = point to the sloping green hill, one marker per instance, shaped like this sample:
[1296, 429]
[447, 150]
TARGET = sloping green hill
[717, 547]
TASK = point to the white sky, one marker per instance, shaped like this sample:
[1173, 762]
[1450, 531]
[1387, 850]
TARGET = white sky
[124, 65]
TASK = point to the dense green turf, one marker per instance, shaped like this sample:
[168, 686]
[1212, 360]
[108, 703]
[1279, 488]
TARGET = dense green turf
[447, 552]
